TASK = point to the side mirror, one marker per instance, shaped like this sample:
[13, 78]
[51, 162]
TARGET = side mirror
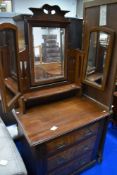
[99, 48]
[9, 78]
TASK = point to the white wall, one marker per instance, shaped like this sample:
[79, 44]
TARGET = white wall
[79, 10]
[6, 20]
[6, 17]
[21, 6]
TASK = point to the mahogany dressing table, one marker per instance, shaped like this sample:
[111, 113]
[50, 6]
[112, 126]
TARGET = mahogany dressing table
[63, 128]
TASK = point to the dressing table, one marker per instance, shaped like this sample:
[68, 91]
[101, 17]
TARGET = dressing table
[63, 127]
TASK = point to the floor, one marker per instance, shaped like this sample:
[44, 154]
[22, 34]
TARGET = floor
[109, 163]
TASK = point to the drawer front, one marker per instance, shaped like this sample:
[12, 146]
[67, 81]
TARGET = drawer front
[73, 166]
[64, 141]
[71, 153]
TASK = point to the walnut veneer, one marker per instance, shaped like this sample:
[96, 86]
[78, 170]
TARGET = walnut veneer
[60, 136]
[75, 143]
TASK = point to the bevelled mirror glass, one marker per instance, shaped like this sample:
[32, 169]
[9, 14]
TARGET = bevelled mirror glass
[48, 48]
[98, 57]
[48, 59]
[9, 82]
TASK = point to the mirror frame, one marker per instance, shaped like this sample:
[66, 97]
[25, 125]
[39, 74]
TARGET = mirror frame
[41, 19]
[7, 106]
[31, 55]
[108, 57]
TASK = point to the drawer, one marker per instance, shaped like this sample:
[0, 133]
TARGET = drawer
[71, 153]
[73, 166]
[71, 138]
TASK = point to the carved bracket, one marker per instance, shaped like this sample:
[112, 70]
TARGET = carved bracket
[48, 10]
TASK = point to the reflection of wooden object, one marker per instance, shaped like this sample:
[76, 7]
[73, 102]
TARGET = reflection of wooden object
[52, 68]
[51, 49]
[94, 77]
[47, 70]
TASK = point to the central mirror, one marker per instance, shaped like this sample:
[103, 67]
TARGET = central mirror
[47, 47]
[98, 57]
[48, 44]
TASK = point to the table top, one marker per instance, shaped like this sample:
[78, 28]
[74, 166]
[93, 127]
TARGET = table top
[46, 122]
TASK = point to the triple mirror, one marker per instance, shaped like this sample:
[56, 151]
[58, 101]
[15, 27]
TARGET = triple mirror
[99, 49]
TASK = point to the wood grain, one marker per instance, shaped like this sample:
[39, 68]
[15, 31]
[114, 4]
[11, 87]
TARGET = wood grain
[50, 91]
[67, 115]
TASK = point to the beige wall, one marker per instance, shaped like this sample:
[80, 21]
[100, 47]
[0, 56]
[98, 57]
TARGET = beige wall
[21, 6]
[87, 0]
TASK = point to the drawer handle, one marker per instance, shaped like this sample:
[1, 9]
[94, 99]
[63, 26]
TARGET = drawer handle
[86, 148]
[60, 161]
[82, 162]
[89, 132]
[61, 146]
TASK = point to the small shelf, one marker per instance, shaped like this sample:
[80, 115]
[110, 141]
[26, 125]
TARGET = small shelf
[50, 92]
[11, 85]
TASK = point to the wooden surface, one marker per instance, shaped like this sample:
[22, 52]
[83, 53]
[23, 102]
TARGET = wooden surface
[72, 67]
[66, 115]
[94, 76]
[71, 154]
[12, 85]
[115, 104]
[99, 2]
[114, 108]
[99, 76]
[50, 91]
[91, 19]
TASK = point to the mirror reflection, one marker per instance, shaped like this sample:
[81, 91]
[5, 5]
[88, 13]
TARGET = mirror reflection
[98, 48]
[7, 43]
[48, 48]
[8, 57]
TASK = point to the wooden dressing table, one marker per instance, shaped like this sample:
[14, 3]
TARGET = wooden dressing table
[64, 138]
[63, 117]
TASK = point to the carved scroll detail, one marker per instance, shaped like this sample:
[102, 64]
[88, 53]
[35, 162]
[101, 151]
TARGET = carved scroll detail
[48, 10]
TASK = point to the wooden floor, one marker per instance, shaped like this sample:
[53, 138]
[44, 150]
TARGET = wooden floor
[49, 121]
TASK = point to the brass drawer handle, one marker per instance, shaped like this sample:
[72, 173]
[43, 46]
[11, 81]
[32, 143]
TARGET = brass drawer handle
[82, 162]
[61, 146]
[60, 161]
[89, 133]
[86, 148]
